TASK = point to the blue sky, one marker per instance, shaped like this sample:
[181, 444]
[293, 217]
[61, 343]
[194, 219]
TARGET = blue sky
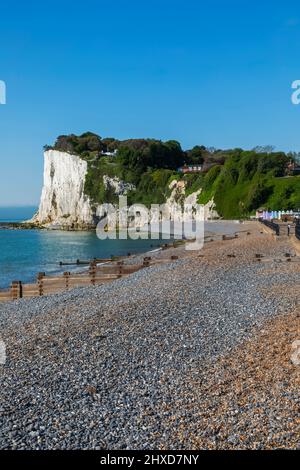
[216, 73]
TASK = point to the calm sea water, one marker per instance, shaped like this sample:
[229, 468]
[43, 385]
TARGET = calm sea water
[24, 253]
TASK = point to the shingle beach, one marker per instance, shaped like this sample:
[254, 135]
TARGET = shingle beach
[189, 354]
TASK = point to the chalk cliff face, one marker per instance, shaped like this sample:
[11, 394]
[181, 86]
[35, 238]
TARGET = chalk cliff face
[64, 205]
[178, 197]
[119, 187]
[63, 202]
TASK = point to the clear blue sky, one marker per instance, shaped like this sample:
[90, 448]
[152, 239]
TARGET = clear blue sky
[216, 73]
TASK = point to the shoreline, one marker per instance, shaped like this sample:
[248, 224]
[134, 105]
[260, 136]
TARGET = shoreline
[18, 226]
[213, 229]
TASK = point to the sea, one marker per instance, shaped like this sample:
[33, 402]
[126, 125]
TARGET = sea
[24, 253]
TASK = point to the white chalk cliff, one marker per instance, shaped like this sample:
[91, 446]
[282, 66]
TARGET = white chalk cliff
[63, 202]
[178, 197]
[65, 205]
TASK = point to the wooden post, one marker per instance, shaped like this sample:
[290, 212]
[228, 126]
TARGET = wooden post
[16, 290]
[92, 272]
[40, 282]
[120, 268]
[66, 276]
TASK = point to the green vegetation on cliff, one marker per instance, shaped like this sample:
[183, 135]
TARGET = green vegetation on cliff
[239, 181]
[249, 180]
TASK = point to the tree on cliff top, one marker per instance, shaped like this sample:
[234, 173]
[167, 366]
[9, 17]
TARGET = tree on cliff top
[79, 145]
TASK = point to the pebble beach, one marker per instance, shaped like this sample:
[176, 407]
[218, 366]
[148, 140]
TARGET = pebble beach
[189, 354]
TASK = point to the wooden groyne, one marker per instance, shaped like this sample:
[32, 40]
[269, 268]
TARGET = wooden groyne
[96, 274]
